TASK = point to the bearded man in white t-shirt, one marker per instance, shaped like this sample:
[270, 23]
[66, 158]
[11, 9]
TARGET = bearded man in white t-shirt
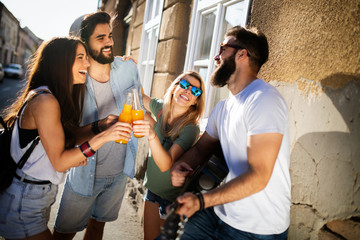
[252, 128]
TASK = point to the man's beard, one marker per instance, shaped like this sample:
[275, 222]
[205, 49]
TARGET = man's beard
[222, 74]
[100, 57]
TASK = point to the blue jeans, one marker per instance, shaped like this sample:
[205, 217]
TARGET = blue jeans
[206, 225]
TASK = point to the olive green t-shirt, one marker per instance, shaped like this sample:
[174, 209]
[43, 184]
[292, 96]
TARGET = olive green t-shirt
[155, 180]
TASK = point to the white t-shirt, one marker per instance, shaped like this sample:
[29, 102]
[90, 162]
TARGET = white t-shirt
[259, 108]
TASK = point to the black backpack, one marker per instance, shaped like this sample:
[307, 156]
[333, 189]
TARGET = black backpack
[7, 165]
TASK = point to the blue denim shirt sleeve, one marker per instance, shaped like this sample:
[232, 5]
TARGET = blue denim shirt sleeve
[123, 77]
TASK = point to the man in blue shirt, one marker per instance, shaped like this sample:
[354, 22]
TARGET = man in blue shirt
[93, 193]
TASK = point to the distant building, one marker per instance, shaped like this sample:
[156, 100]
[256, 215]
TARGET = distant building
[30, 43]
[16, 44]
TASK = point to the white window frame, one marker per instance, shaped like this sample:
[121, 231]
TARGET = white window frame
[200, 8]
[146, 62]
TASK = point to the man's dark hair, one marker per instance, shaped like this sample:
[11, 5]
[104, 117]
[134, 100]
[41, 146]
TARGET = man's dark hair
[89, 23]
[254, 41]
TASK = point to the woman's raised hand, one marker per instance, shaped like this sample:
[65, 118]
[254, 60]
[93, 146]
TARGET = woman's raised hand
[143, 127]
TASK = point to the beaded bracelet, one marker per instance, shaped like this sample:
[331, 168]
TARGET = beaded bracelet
[87, 150]
[95, 127]
[201, 200]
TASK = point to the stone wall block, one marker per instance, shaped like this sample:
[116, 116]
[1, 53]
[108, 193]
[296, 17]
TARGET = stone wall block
[303, 178]
[174, 20]
[141, 156]
[135, 54]
[140, 13]
[335, 199]
[168, 3]
[161, 83]
[326, 235]
[136, 39]
[304, 222]
[168, 54]
[348, 229]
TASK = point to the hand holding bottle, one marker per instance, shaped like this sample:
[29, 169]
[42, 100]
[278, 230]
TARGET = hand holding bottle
[136, 112]
[125, 115]
[144, 128]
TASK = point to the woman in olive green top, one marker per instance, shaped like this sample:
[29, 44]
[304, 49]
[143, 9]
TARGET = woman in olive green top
[174, 132]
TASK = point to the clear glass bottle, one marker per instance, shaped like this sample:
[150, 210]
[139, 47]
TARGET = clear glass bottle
[137, 112]
[125, 115]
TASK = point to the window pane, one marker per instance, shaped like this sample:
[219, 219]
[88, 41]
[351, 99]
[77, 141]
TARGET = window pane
[149, 11]
[205, 36]
[202, 71]
[158, 8]
[155, 36]
[146, 44]
[232, 18]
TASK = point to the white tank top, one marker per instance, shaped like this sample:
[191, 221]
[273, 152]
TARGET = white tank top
[38, 164]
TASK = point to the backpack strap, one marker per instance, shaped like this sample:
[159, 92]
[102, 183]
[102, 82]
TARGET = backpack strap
[26, 155]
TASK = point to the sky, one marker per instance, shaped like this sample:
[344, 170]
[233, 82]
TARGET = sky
[49, 18]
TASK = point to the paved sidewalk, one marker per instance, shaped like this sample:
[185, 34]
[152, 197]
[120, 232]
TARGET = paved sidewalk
[127, 226]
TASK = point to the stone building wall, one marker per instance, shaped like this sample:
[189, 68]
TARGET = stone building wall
[173, 36]
[315, 63]
[9, 28]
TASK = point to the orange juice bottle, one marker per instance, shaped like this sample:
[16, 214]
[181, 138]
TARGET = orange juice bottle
[136, 113]
[125, 115]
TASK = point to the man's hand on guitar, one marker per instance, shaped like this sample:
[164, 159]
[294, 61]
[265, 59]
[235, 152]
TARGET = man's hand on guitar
[179, 172]
[188, 204]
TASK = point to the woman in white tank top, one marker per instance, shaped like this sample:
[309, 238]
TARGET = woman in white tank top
[58, 68]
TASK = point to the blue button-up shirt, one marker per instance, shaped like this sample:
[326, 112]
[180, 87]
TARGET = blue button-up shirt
[123, 77]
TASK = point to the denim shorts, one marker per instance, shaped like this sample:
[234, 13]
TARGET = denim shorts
[152, 197]
[25, 208]
[75, 209]
[207, 225]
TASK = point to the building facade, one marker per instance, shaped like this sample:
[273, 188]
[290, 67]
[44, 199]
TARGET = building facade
[314, 62]
[16, 44]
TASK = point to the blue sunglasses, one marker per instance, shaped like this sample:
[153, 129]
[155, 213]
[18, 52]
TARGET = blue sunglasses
[194, 90]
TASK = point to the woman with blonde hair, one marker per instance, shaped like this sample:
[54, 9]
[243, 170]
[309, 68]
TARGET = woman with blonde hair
[176, 129]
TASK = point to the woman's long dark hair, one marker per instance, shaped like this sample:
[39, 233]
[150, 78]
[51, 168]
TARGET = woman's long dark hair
[51, 66]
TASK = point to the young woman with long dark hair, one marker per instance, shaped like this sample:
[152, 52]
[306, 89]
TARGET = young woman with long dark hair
[52, 97]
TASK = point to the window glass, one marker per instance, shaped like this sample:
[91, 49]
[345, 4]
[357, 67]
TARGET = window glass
[150, 36]
[205, 36]
[158, 8]
[155, 36]
[203, 72]
[211, 19]
[149, 9]
[145, 47]
[231, 19]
